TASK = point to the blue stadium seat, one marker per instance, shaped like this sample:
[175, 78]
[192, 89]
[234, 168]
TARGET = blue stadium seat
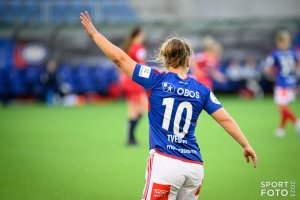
[6, 49]
[65, 11]
[84, 81]
[60, 12]
[4, 90]
[32, 80]
[16, 82]
[101, 79]
[32, 11]
[65, 77]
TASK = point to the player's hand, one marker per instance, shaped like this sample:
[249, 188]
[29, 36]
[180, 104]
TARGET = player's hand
[249, 152]
[88, 24]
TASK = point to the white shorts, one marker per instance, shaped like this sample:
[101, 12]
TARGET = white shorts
[284, 96]
[172, 179]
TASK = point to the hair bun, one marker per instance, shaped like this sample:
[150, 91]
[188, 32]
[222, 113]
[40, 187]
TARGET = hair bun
[173, 52]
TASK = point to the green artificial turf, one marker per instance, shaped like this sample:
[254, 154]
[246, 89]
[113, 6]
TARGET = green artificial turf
[51, 153]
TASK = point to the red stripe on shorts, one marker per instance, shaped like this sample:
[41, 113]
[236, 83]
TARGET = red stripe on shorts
[149, 171]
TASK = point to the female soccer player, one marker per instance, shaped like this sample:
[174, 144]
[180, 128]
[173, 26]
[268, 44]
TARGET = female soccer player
[283, 63]
[175, 168]
[206, 67]
[134, 93]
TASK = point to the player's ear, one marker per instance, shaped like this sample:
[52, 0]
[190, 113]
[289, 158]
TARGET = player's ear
[188, 61]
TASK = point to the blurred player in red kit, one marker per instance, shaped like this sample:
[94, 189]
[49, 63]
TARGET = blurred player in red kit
[283, 64]
[206, 64]
[135, 94]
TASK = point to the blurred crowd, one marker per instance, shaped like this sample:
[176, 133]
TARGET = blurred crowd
[56, 83]
[247, 77]
[59, 84]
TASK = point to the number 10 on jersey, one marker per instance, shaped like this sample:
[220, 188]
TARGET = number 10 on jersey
[169, 103]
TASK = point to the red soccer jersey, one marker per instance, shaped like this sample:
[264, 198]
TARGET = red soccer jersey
[132, 90]
[204, 62]
[137, 52]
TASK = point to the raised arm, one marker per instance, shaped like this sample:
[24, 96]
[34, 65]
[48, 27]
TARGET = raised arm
[228, 123]
[114, 53]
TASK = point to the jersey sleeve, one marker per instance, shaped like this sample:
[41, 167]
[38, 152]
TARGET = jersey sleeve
[212, 104]
[297, 57]
[145, 76]
[270, 61]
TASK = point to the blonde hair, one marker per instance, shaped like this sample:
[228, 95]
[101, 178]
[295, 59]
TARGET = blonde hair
[283, 35]
[209, 42]
[173, 52]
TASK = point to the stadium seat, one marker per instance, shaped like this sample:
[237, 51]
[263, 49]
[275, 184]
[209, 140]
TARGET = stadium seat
[16, 82]
[32, 80]
[83, 79]
[4, 90]
[6, 49]
[65, 79]
[65, 11]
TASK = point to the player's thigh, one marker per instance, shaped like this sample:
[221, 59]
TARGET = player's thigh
[133, 110]
[292, 95]
[163, 178]
[189, 192]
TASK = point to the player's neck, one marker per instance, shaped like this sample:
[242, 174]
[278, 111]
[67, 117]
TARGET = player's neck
[284, 49]
[180, 71]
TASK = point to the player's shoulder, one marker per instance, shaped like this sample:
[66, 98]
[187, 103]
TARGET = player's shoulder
[276, 52]
[293, 52]
[198, 85]
[159, 74]
[158, 71]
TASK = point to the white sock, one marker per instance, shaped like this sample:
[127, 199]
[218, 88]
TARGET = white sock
[280, 132]
[297, 125]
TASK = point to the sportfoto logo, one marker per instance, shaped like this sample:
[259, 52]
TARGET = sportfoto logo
[278, 189]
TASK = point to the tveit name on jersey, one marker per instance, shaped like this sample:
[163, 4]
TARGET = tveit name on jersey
[170, 88]
[176, 139]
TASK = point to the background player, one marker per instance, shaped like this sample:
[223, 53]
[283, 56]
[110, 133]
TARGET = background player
[206, 67]
[175, 168]
[282, 63]
[134, 93]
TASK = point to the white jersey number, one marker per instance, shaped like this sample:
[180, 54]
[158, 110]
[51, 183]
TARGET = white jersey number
[169, 103]
[288, 65]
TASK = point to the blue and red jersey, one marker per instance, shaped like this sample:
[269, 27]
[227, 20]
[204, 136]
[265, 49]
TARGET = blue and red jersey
[174, 107]
[285, 65]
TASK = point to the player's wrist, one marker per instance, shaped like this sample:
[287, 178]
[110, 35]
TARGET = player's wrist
[245, 146]
[94, 35]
